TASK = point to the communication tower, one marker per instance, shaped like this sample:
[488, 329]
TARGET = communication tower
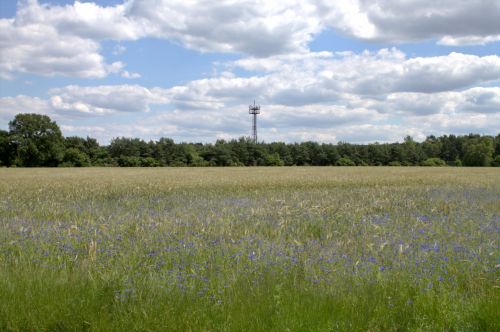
[254, 110]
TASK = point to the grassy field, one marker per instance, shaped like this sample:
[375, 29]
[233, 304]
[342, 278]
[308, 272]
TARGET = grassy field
[250, 249]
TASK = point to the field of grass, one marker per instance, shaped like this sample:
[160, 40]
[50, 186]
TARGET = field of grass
[250, 249]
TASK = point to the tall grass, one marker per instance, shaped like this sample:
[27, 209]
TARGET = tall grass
[260, 249]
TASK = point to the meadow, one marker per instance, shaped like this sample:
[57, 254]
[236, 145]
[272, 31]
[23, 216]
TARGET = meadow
[250, 249]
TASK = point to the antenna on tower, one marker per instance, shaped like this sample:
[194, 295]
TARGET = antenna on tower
[254, 110]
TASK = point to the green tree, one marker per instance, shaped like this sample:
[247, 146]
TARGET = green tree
[282, 150]
[129, 161]
[432, 147]
[496, 161]
[5, 149]
[129, 147]
[497, 144]
[413, 151]
[433, 162]
[165, 151]
[273, 160]
[478, 151]
[451, 148]
[378, 154]
[89, 146]
[300, 153]
[223, 154]
[37, 140]
[75, 157]
[331, 153]
[345, 161]
[316, 153]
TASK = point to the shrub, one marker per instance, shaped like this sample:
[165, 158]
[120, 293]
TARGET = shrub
[149, 162]
[433, 162]
[75, 157]
[344, 161]
[132, 161]
[496, 161]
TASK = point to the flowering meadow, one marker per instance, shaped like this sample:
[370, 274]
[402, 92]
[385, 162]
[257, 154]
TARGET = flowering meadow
[250, 249]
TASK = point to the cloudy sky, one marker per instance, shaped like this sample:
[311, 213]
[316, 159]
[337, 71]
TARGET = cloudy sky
[346, 70]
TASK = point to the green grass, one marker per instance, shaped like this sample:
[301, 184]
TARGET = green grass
[250, 249]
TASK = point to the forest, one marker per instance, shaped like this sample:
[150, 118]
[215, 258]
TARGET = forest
[34, 140]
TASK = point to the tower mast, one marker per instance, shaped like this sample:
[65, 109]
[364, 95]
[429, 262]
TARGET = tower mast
[254, 110]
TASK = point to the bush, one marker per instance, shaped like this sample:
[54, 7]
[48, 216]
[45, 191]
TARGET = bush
[496, 161]
[394, 163]
[105, 162]
[433, 162]
[478, 151]
[125, 161]
[75, 157]
[344, 161]
[149, 162]
[273, 160]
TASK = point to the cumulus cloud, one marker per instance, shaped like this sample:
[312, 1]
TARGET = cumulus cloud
[105, 99]
[327, 77]
[22, 50]
[32, 43]
[10, 106]
[353, 118]
[263, 28]
[468, 40]
[258, 27]
[62, 40]
[65, 40]
[475, 100]
[307, 95]
[452, 22]
[127, 74]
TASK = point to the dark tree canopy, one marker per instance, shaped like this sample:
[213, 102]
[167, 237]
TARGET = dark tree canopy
[478, 151]
[5, 148]
[35, 140]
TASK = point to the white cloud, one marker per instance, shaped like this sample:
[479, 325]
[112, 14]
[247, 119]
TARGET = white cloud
[61, 40]
[65, 40]
[263, 28]
[42, 50]
[481, 100]
[454, 22]
[306, 95]
[352, 118]
[468, 40]
[474, 100]
[127, 74]
[91, 131]
[10, 106]
[326, 78]
[257, 27]
[105, 99]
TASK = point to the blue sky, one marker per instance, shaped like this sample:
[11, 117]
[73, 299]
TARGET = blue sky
[358, 71]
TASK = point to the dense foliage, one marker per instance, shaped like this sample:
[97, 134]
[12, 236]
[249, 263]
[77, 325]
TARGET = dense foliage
[35, 140]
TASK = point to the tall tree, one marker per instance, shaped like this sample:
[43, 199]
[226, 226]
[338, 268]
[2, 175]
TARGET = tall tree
[37, 140]
[497, 145]
[5, 149]
[478, 151]
[432, 147]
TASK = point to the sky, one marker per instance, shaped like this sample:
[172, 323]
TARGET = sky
[357, 71]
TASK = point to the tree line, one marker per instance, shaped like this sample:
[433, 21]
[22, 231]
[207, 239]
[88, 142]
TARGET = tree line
[34, 140]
